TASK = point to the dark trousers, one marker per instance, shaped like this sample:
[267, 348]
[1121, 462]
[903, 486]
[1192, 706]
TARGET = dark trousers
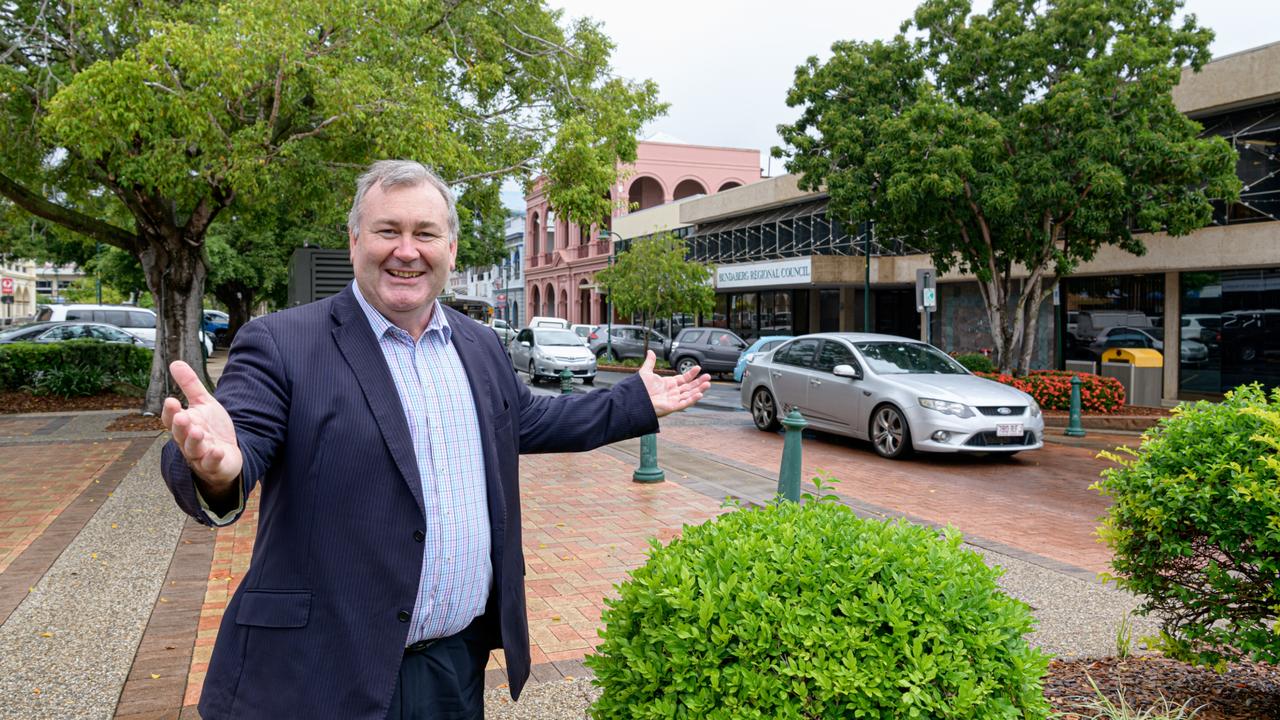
[444, 681]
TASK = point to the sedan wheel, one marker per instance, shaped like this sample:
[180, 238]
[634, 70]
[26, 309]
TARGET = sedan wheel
[764, 411]
[533, 376]
[890, 435]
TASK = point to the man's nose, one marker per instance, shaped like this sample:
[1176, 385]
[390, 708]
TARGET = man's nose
[405, 249]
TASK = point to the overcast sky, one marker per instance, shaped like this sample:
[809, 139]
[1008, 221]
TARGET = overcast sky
[725, 66]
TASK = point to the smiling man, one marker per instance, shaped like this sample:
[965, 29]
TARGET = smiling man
[384, 430]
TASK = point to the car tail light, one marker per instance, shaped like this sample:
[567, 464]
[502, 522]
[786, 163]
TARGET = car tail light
[593, 336]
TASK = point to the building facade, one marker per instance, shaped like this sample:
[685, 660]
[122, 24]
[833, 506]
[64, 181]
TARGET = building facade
[17, 290]
[784, 266]
[561, 258]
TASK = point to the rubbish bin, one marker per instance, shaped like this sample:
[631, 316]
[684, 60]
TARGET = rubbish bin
[1139, 370]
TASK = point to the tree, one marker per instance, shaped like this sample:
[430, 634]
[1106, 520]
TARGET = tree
[1014, 143]
[138, 124]
[654, 278]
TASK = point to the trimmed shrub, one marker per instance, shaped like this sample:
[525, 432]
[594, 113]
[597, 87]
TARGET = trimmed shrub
[70, 381]
[1195, 526]
[1052, 389]
[807, 611]
[21, 364]
[976, 362]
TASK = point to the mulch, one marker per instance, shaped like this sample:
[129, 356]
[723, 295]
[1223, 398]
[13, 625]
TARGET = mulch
[1244, 691]
[133, 422]
[13, 402]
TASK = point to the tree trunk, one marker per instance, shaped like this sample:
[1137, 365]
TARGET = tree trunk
[239, 299]
[175, 273]
[995, 297]
[1030, 319]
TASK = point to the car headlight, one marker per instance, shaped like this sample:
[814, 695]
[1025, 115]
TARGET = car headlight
[1035, 408]
[946, 407]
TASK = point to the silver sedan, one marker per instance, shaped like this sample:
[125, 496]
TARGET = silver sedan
[900, 394]
[544, 352]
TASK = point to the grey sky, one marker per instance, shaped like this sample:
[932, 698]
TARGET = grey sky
[725, 66]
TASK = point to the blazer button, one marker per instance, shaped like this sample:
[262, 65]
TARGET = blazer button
[419, 536]
[403, 615]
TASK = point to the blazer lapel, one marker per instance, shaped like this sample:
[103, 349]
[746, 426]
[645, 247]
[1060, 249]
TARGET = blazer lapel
[359, 347]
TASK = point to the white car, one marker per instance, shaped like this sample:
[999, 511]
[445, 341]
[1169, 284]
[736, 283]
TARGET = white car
[900, 394]
[544, 352]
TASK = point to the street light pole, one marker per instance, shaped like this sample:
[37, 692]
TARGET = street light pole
[608, 341]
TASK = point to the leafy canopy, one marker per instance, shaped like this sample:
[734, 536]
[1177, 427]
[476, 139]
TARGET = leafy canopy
[653, 278]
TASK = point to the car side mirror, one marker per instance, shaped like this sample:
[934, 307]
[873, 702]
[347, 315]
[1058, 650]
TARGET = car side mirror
[524, 343]
[847, 371]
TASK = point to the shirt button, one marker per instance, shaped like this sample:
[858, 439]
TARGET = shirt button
[403, 616]
[419, 536]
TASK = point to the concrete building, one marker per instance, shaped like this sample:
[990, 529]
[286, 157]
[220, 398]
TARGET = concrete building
[17, 290]
[784, 266]
[561, 258]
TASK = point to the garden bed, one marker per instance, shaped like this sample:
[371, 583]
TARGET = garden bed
[15, 401]
[1243, 691]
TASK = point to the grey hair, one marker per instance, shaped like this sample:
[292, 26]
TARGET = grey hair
[400, 173]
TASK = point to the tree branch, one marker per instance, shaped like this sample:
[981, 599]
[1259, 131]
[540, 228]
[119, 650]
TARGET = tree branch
[66, 217]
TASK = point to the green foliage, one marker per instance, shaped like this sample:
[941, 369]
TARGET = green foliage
[1028, 136]
[85, 290]
[807, 611]
[70, 381]
[1119, 709]
[69, 364]
[654, 279]
[1195, 526]
[976, 362]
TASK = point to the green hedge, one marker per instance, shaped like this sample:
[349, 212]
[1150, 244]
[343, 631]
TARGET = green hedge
[976, 362]
[70, 365]
[807, 611]
[1195, 526]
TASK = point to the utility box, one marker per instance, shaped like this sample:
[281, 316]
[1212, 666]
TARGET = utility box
[1080, 366]
[316, 273]
[1139, 370]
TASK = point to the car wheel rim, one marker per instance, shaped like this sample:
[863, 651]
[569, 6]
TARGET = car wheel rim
[684, 366]
[762, 409]
[888, 431]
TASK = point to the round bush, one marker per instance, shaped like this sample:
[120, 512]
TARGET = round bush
[811, 612]
[976, 362]
[1195, 526]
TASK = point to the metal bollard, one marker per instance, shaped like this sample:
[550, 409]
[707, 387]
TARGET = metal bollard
[648, 472]
[566, 382]
[1074, 428]
[789, 473]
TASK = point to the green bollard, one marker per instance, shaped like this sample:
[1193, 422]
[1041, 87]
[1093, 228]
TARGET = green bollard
[648, 472]
[566, 382]
[789, 474]
[1074, 428]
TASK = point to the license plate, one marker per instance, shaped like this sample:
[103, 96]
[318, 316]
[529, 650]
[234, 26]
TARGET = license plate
[1008, 429]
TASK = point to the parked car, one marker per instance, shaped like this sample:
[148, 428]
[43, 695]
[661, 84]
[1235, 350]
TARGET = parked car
[716, 350]
[1090, 323]
[503, 329]
[1190, 351]
[544, 352]
[216, 324]
[138, 321]
[582, 331]
[46, 332]
[900, 394]
[761, 345]
[543, 321]
[626, 341]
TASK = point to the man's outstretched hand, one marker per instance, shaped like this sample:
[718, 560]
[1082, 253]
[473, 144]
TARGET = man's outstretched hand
[203, 431]
[670, 394]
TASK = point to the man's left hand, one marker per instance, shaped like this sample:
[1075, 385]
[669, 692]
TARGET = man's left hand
[670, 394]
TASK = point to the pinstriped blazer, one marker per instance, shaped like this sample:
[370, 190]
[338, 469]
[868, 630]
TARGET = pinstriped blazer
[317, 628]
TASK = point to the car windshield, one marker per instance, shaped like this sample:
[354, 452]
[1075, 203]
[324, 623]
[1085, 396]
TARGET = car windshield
[558, 338]
[908, 358]
[1157, 333]
[24, 332]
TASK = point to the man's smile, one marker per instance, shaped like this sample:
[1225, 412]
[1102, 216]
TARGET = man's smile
[407, 274]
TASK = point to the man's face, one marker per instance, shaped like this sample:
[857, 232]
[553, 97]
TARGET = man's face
[402, 254]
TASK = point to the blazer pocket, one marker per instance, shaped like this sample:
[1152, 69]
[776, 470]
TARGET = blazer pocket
[274, 608]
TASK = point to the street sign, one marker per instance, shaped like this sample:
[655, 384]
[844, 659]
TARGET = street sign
[6, 286]
[930, 296]
[926, 293]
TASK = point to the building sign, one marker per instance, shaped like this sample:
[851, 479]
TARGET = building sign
[6, 286]
[792, 271]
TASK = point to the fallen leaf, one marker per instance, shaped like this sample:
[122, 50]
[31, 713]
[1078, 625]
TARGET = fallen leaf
[164, 600]
[35, 691]
[114, 526]
[555, 618]
[155, 676]
[46, 634]
[93, 555]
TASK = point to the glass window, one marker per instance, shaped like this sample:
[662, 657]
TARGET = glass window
[908, 358]
[139, 319]
[692, 336]
[723, 339]
[79, 315]
[835, 353]
[799, 353]
[119, 318]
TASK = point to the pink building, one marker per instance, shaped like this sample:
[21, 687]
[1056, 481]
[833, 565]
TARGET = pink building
[561, 260]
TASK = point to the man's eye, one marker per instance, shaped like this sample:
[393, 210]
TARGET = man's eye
[387, 232]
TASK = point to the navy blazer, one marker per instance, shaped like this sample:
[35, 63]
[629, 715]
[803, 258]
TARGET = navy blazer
[318, 626]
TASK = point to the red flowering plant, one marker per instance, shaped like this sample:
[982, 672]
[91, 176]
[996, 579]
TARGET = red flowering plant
[1052, 389]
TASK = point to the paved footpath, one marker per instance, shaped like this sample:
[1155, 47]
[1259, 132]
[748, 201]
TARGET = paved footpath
[110, 598]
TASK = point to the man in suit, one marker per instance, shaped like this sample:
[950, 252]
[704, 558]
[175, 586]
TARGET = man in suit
[384, 430]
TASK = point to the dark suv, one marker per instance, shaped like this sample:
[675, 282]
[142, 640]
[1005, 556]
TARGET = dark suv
[628, 342]
[715, 349]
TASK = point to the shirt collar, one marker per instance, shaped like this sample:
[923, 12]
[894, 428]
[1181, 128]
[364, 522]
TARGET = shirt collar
[381, 325]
